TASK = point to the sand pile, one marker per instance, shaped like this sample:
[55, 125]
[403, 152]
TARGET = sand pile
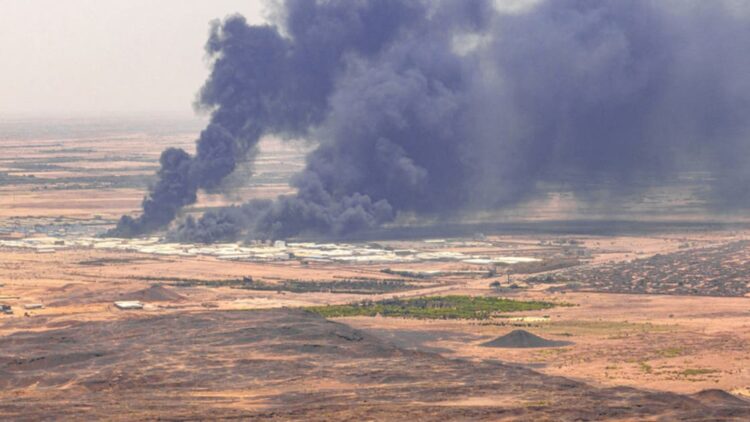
[155, 293]
[523, 339]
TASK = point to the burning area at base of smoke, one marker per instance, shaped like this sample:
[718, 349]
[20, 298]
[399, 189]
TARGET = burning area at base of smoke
[437, 107]
[284, 217]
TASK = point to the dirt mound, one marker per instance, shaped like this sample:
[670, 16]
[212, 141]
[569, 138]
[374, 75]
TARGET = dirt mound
[155, 293]
[523, 339]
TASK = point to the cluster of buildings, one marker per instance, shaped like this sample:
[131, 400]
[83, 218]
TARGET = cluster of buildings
[265, 251]
[714, 271]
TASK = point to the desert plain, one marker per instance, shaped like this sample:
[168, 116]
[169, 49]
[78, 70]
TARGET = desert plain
[651, 308]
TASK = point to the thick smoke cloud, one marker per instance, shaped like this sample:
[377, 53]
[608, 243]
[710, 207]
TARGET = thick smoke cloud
[262, 82]
[444, 107]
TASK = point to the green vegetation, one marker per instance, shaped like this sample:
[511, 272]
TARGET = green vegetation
[190, 282]
[355, 286]
[433, 307]
[645, 367]
[695, 372]
[350, 286]
[100, 262]
[671, 352]
[611, 367]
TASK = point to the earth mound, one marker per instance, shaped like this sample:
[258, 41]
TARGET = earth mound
[155, 293]
[520, 339]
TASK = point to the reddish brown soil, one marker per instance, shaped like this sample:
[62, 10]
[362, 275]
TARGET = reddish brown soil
[286, 364]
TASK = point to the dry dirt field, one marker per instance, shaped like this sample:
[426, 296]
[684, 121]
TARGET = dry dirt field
[207, 346]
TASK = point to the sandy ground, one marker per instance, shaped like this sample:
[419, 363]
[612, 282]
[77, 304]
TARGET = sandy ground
[672, 343]
[665, 343]
[83, 177]
[680, 344]
[287, 364]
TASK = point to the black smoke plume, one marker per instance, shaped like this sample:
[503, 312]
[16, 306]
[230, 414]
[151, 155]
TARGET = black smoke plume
[262, 82]
[441, 107]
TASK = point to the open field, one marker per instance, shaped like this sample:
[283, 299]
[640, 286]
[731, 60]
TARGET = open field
[675, 343]
[285, 364]
[79, 171]
[658, 322]
[666, 343]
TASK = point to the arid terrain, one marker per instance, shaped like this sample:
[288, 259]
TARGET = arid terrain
[655, 314]
[281, 364]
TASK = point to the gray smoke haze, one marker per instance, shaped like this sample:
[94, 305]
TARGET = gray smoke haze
[442, 107]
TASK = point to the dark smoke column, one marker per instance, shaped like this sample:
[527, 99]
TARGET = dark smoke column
[181, 175]
[438, 108]
[264, 83]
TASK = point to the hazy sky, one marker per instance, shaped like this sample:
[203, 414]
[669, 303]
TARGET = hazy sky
[98, 57]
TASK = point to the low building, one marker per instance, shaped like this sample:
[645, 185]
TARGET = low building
[128, 305]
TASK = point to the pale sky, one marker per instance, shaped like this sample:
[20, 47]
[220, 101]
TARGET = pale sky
[103, 57]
